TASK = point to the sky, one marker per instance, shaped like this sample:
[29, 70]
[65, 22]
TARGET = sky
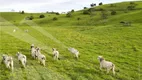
[49, 5]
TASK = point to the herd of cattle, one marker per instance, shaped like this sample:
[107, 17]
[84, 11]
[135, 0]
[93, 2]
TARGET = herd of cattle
[36, 54]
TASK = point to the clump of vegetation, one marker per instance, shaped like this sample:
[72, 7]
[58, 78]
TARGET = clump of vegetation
[92, 5]
[55, 18]
[85, 8]
[131, 6]
[41, 16]
[113, 12]
[104, 14]
[72, 10]
[22, 12]
[57, 13]
[112, 5]
[86, 12]
[69, 14]
[31, 18]
[100, 3]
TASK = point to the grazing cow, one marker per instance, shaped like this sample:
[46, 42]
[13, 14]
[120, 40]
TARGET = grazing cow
[8, 61]
[74, 51]
[22, 58]
[106, 64]
[41, 58]
[55, 53]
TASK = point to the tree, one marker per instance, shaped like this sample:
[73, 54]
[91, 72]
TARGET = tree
[100, 3]
[41, 16]
[92, 5]
[85, 7]
[72, 10]
[22, 12]
[57, 13]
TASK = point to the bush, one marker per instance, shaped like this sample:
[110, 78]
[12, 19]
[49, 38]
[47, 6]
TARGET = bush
[31, 18]
[69, 14]
[55, 18]
[100, 3]
[85, 7]
[22, 12]
[113, 12]
[78, 18]
[131, 3]
[112, 5]
[131, 7]
[41, 16]
[86, 12]
[72, 10]
[92, 5]
[57, 13]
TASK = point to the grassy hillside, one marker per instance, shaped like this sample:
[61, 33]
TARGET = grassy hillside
[91, 35]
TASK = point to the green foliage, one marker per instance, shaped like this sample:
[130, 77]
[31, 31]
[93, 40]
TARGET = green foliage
[113, 12]
[131, 7]
[92, 5]
[22, 12]
[57, 13]
[85, 8]
[55, 18]
[104, 14]
[69, 14]
[86, 12]
[31, 18]
[72, 10]
[41, 16]
[100, 3]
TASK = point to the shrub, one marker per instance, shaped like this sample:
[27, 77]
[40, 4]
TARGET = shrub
[86, 12]
[104, 14]
[31, 18]
[57, 13]
[100, 3]
[85, 7]
[92, 5]
[113, 12]
[55, 18]
[131, 3]
[72, 10]
[131, 7]
[78, 18]
[69, 14]
[22, 12]
[112, 5]
[41, 16]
